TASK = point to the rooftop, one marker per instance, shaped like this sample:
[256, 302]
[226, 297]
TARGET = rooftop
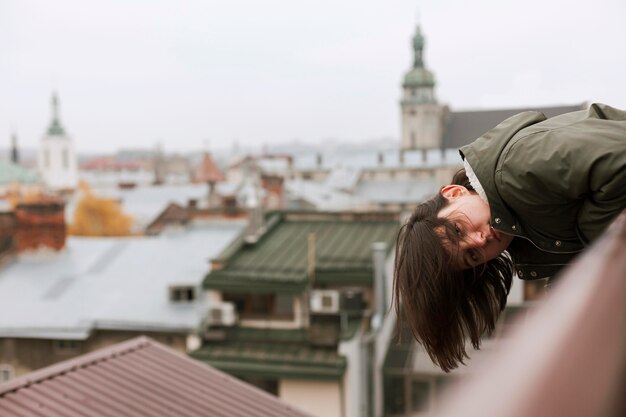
[273, 353]
[277, 262]
[463, 127]
[139, 377]
[110, 283]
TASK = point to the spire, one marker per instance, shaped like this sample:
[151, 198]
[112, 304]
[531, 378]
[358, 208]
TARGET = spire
[14, 154]
[419, 76]
[55, 128]
[418, 48]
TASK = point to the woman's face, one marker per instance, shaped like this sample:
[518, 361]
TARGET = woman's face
[471, 216]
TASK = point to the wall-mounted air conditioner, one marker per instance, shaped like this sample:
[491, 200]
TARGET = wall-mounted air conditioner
[222, 314]
[324, 301]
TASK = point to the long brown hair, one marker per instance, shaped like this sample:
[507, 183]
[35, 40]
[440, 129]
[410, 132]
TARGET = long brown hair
[443, 306]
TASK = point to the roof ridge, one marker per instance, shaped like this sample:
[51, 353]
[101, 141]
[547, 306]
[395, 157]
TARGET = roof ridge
[74, 364]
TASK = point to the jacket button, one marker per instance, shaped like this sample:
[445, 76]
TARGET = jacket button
[557, 243]
[497, 220]
[520, 273]
[514, 227]
[533, 274]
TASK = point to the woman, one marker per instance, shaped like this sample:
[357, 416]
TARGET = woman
[534, 192]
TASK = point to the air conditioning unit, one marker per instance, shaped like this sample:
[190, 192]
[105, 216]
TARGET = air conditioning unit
[222, 315]
[324, 301]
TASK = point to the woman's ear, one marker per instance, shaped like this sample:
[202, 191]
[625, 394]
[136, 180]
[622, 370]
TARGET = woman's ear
[452, 192]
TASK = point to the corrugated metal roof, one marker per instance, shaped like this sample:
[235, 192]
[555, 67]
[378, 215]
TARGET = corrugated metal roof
[466, 126]
[274, 353]
[139, 377]
[110, 283]
[278, 261]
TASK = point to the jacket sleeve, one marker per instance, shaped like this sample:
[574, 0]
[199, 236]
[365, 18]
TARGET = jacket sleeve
[606, 177]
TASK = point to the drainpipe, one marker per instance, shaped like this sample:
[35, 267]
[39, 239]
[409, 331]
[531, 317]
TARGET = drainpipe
[371, 380]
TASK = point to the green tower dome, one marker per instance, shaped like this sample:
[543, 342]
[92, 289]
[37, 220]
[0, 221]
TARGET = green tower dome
[55, 128]
[418, 76]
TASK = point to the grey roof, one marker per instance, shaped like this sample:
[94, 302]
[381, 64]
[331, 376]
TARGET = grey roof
[463, 127]
[325, 195]
[139, 377]
[321, 195]
[401, 192]
[144, 203]
[109, 283]
[392, 158]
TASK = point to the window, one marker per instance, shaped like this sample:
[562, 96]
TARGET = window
[46, 158]
[66, 346]
[182, 294]
[267, 385]
[6, 372]
[66, 159]
[420, 391]
[262, 306]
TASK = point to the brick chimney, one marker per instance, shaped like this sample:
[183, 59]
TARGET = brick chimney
[40, 225]
[274, 187]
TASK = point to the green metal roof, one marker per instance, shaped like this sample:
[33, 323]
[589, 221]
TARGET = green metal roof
[272, 353]
[278, 261]
[56, 129]
[10, 172]
[419, 77]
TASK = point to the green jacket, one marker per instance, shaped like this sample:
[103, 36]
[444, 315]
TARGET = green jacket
[555, 184]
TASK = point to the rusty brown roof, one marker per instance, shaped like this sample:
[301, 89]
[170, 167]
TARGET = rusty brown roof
[208, 170]
[139, 377]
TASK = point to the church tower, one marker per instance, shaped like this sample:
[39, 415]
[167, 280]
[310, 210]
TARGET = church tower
[56, 159]
[422, 116]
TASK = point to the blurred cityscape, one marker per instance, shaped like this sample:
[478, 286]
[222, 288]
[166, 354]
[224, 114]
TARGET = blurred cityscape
[275, 266]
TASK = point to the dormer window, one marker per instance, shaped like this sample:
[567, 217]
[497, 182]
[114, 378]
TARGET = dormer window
[183, 293]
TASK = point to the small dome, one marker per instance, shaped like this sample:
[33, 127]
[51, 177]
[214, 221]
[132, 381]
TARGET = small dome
[56, 129]
[419, 77]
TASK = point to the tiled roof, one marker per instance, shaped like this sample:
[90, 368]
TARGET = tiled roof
[272, 353]
[208, 170]
[465, 126]
[277, 262]
[136, 378]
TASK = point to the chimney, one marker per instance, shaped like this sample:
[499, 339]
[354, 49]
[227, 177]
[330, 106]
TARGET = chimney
[40, 225]
[253, 204]
[274, 188]
[381, 158]
[318, 159]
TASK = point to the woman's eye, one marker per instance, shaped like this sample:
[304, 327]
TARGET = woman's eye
[458, 230]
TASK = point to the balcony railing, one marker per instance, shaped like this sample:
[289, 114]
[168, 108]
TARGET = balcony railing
[568, 357]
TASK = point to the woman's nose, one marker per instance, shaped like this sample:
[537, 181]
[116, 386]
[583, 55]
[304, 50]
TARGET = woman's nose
[478, 239]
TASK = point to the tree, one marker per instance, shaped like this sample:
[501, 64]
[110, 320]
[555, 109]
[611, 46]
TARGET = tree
[99, 216]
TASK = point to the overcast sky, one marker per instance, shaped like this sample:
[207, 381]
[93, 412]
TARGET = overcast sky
[186, 73]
